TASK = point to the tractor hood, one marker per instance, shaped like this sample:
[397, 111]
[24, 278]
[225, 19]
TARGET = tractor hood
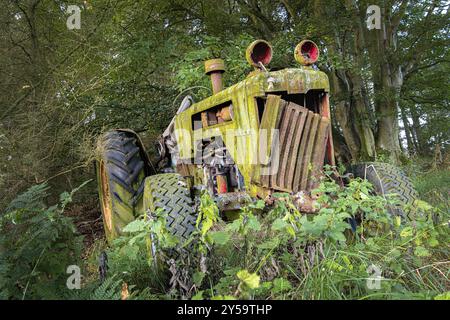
[290, 80]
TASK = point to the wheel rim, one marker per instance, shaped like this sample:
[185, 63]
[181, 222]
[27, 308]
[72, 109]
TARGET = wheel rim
[106, 197]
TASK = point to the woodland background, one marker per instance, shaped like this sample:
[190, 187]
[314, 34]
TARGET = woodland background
[132, 62]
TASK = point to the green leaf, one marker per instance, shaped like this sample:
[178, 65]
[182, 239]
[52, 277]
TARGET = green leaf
[406, 232]
[198, 278]
[422, 252]
[260, 204]
[270, 244]
[207, 224]
[347, 262]
[253, 223]
[333, 265]
[138, 237]
[234, 226]
[281, 285]
[279, 224]
[433, 242]
[251, 280]
[65, 198]
[363, 196]
[198, 295]
[290, 230]
[443, 296]
[422, 205]
[135, 226]
[397, 221]
[220, 297]
[220, 237]
[131, 252]
[337, 236]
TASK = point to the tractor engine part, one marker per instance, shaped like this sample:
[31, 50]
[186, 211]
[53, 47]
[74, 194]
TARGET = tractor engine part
[167, 144]
[221, 181]
[225, 114]
[232, 200]
[214, 68]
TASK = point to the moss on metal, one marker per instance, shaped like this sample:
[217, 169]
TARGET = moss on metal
[245, 123]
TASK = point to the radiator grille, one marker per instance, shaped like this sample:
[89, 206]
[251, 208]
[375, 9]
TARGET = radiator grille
[302, 143]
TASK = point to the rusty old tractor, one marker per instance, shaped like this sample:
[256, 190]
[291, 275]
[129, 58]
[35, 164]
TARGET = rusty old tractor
[269, 133]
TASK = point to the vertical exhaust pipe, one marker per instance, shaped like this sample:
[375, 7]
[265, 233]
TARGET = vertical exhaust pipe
[214, 68]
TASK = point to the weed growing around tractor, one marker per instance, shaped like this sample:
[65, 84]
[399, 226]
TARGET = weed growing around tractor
[271, 251]
[276, 252]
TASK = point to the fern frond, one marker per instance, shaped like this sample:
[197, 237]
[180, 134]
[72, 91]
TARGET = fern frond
[31, 199]
[108, 290]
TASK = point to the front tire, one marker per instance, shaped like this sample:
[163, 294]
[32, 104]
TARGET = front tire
[388, 179]
[168, 191]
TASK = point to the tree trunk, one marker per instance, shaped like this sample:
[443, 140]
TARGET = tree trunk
[388, 130]
[355, 118]
[422, 148]
[388, 79]
[343, 115]
[408, 134]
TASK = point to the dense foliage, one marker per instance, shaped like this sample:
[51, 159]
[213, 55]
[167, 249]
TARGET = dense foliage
[132, 62]
[270, 251]
[37, 244]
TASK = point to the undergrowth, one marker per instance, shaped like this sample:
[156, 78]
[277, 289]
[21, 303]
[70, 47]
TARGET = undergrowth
[277, 252]
[37, 244]
[351, 249]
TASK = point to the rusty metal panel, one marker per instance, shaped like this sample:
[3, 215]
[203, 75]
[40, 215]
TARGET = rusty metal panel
[279, 123]
[318, 154]
[266, 123]
[269, 121]
[303, 137]
[287, 146]
[286, 133]
[298, 134]
[301, 153]
[308, 152]
[325, 112]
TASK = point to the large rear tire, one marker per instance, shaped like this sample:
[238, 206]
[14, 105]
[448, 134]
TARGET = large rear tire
[388, 179]
[121, 170]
